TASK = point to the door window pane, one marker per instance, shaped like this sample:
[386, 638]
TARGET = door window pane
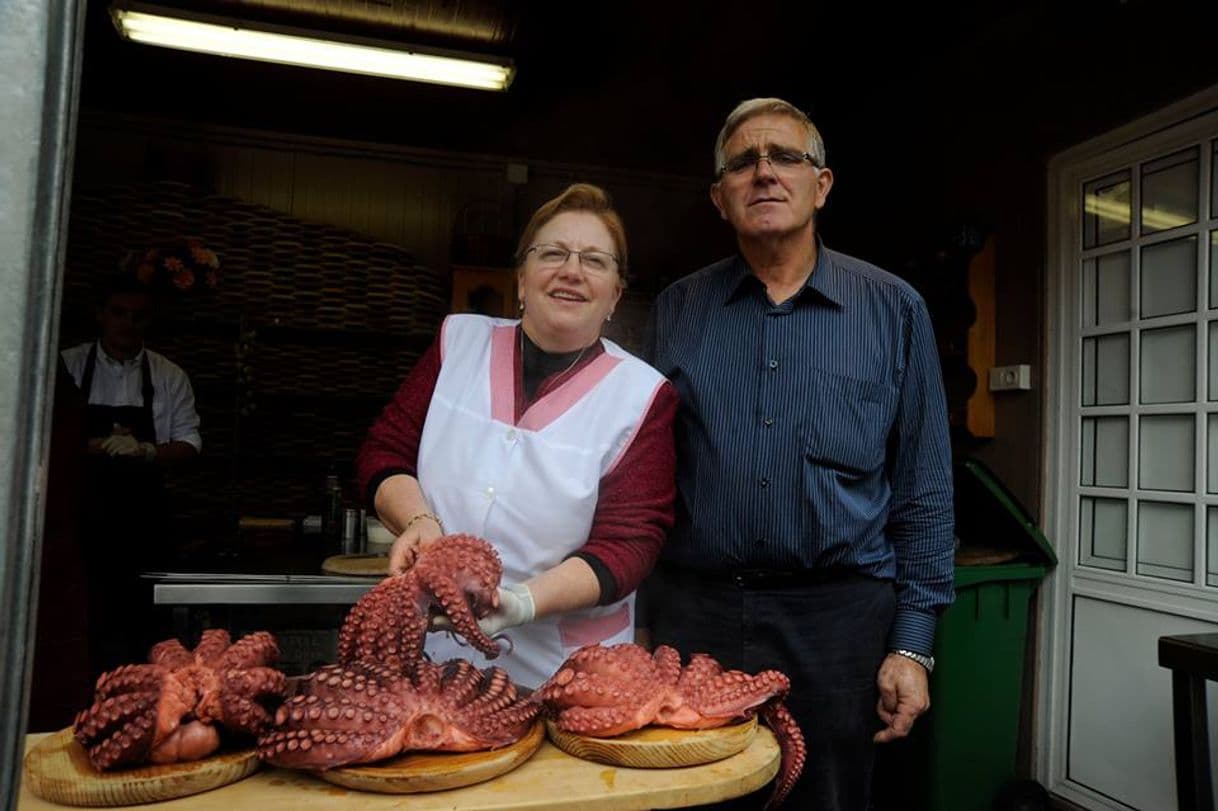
[1105, 461]
[1211, 552]
[1211, 469]
[1106, 370]
[1169, 278]
[1213, 361]
[1214, 181]
[1169, 191]
[1166, 450]
[1102, 531]
[1165, 540]
[1214, 268]
[1106, 210]
[1168, 365]
[1106, 289]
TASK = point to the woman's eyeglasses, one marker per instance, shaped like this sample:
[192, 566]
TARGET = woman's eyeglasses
[593, 261]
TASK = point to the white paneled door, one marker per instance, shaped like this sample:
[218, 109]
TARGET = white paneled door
[1132, 485]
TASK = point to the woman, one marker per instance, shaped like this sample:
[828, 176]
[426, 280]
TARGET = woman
[549, 441]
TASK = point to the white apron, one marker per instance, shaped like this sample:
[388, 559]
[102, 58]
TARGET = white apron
[529, 488]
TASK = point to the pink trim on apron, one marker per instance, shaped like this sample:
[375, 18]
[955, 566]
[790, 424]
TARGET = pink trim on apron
[558, 402]
[577, 632]
[503, 374]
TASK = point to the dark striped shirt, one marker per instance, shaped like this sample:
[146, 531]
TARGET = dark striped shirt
[811, 433]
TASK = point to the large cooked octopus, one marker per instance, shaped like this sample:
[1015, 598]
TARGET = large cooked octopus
[168, 710]
[365, 711]
[457, 576]
[385, 698]
[606, 691]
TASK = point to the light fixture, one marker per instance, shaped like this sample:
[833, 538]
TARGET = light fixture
[225, 36]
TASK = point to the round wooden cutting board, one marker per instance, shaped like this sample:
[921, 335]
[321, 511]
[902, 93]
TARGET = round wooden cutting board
[58, 770]
[658, 747]
[367, 565]
[436, 771]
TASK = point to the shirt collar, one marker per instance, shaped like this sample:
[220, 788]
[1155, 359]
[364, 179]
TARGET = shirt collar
[824, 281]
[113, 361]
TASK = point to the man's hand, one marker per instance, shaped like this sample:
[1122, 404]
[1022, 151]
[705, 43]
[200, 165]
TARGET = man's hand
[904, 695]
[514, 607]
[417, 537]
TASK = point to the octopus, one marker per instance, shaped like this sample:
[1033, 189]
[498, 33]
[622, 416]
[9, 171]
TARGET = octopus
[168, 710]
[366, 711]
[384, 697]
[457, 576]
[606, 691]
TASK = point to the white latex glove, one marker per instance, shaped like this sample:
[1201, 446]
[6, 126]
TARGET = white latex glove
[515, 608]
[121, 445]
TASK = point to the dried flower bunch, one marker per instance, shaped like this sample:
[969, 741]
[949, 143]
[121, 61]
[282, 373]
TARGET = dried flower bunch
[182, 265]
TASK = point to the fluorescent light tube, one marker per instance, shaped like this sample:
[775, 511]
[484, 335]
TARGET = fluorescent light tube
[246, 40]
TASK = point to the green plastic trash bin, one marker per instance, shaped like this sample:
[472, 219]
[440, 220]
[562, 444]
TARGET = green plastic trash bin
[963, 750]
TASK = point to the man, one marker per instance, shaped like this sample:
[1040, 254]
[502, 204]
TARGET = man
[814, 509]
[139, 417]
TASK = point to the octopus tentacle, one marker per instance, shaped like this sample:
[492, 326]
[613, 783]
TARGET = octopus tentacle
[212, 645]
[119, 730]
[450, 594]
[794, 750]
[737, 693]
[386, 625]
[252, 650]
[244, 695]
[171, 654]
[324, 733]
[129, 679]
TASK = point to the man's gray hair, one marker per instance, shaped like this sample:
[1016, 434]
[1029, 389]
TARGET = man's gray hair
[755, 107]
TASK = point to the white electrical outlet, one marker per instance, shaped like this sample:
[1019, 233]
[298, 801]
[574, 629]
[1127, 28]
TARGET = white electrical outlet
[1011, 378]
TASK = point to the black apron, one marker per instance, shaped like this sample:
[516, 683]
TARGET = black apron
[125, 526]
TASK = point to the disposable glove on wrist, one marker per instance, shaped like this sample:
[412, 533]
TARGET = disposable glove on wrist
[121, 445]
[515, 608]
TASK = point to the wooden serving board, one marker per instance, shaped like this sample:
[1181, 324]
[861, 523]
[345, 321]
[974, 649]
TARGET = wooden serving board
[368, 565]
[58, 769]
[435, 771]
[658, 747]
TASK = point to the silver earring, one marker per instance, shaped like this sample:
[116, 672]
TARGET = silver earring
[521, 303]
[608, 318]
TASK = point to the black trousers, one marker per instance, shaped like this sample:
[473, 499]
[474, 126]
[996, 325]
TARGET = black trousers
[828, 637]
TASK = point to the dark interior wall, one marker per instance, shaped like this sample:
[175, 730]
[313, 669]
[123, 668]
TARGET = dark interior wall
[936, 117]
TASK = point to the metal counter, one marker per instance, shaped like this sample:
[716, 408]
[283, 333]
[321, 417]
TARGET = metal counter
[201, 588]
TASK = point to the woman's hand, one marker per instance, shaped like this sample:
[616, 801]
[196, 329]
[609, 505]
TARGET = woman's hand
[421, 531]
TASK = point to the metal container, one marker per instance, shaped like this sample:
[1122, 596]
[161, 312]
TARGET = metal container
[350, 522]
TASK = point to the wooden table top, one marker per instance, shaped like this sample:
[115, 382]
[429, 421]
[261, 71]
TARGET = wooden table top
[551, 779]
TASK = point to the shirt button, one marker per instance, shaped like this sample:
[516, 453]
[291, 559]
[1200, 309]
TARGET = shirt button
[764, 482]
[767, 422]
[490, 494]
[773, 364]
[511, 434]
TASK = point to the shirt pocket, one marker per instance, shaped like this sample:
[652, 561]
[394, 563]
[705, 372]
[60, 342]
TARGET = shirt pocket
[846, 422]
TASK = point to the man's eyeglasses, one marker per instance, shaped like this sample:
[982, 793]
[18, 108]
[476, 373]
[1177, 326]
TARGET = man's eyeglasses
[781, 160]
[593, 261]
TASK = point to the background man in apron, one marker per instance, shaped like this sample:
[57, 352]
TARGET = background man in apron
[140, 416]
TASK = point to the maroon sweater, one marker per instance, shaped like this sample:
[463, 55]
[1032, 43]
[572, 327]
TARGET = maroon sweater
[634, 508]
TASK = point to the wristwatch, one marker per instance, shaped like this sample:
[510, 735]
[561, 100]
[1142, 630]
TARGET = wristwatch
[927, 662]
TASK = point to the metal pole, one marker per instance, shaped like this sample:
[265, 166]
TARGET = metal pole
[40, 43]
